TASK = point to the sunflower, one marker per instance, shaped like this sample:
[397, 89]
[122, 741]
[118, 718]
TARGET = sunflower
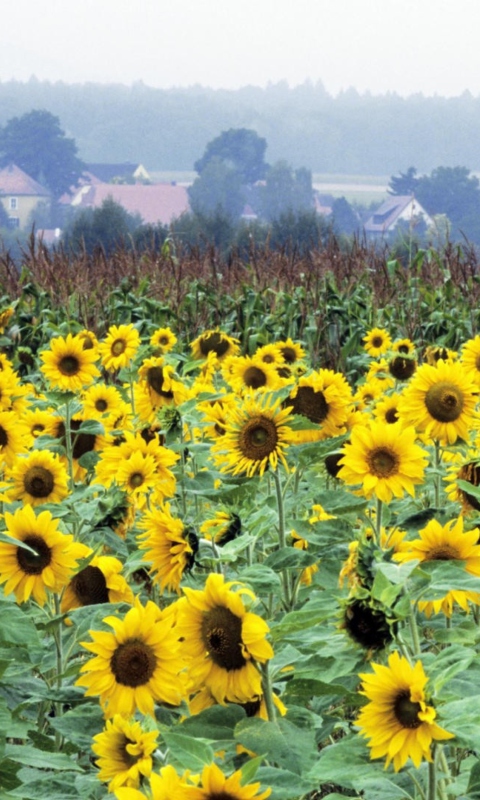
[377, 341]
[99, 582]
[222, 639]
[397, 720]
[9, 387]
[82, 441]
[256, 435]
[270, 354]
[88, 339]
[67, 366]
[44, 560]
[378, 370]
[163, 339]
[470, 358]
[306, 575]
[214, 785]
[124, 752]
[441, 402]
[386, 410]
[384, 459]
[216, 414]
[291, 351]
[135, 665]
[167, 546]
[167, 785]
[37, 478]
[366, 623]
[367, 393]
[160, 380]
[404, 347]
[402, 367]
[39, 422]
[465, 468]
[447, 542]
[104, 403]
[247, 374]
[224, 527]
[325, 398]
[137, 475]
[214, 341]
[13, 437]
[119, 347]
[434, 353]
[5, 317]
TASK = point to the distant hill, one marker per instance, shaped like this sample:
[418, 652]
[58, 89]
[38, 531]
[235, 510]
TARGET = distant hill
[168, 129]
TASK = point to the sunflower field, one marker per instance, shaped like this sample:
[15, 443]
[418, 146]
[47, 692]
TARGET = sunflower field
[240, 525]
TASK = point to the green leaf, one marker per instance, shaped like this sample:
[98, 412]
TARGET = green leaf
[290, 558]
[188, 752]
[285, 784]
[17, 627]
[31, 757]
[91, 426]
[79, 724]
[216, 723]
[262, 578]
[281, 742]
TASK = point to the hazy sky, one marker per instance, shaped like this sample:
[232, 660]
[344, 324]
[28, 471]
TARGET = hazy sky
[407, 46]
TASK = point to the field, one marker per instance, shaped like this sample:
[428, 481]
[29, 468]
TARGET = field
[239, 541]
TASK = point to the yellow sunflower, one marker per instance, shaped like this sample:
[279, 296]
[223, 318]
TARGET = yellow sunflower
[163, 339]
[306, 575]
[384, 459]
[464, 467]
[124, 752]
[325, 398]
[136, 665]
[434, 353]
[99, 582]
[397, 720]
[216, 413]
[470, 358]
[366, 393]
[119, 347]
[5, 317]
[9, 387]
[247, 374]
[447, 542]
[88, 339]
[36, 478]
[162, 384]
[167, 546]
[44, 558]
[222, 640]
[13, 437]
[441, 402]
[137, 475]
[404, 347]
[270, 354]
[224, 527]
[214, 785]
[402, 367]
[377, 341]
[39, 422]
[214, 341]
[386, 410]
[291, 351]
[104, 403]
[67, 366]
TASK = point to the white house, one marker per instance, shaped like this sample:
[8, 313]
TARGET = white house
[403, 208]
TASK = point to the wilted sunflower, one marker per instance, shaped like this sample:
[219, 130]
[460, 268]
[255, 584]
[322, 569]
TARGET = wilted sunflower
[447, 542]
[397, 720]
[214, 341]
[256, 435]
[384, 459]
[163, 339]
[119, 347]
[36, 478]
[166, 542]
[224, 527]
[135, 665]
[441, 402]
[325, 398]
[221, 640]
[366, 623]
[47, 560]
[377, 341]
[99, 582]
[124, 752]
[67, 366]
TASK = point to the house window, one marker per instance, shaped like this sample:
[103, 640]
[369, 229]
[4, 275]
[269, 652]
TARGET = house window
[13, 204]
[14, 222]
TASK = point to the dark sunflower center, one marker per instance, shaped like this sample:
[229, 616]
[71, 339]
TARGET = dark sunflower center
[258, 438]
[268, 359]
[403, 348]
[82, 442]
[444, 401]
[289, 354]
[407, 712]
[471, 473]
[38, 429]
[213, 342]
[101, 404]
[254, 377]
[69, 365]
[164, 340]
[34, 563]
[222, 635]
[221, 796]
[332, 464]
[252, 708]
[3, 437]
[402, 368]
[89, 586]
[377, 341]
[310, 404]
[136, 480]
[443, 552]
[391, 416]
[118, 347]
[128, 759]
[367, 626]
[155, 379]
[133, 663]
[87, 343]
[38, 481]
[218, 429]
[382, 462]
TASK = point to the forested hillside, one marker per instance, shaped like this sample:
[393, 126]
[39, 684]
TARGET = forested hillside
[169, 129]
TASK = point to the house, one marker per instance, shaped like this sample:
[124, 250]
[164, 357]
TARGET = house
[401, 208]
[116, 173]
[20, 195]
[155, 203]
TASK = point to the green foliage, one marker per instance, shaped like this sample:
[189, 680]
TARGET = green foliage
[241, 150]
[217, 192]
[108, 228]
[285, 190]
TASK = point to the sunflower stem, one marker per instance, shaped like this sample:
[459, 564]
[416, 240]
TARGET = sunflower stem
[268, 693]
[57, 635]
[432, 780]
[378, 523]
[282, 539]
[412, 619]
[438, 459]
[68, 442]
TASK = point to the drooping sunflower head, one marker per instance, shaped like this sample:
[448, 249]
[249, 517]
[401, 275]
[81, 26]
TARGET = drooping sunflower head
[377, 341]
[67, 365]
[36, 478]
[464, 468]
[366, 623]
[470, 358]
[163, 340]
[325, 398]
[224, 527]
[402, 367]
[256, 436]
[5, 317]
[88, 339]
[100, 581]
[124, 752]
[435, 353]
[215, 341]
[119, 347]
[167, 547]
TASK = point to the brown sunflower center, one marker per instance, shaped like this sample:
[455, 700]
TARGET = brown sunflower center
[254, 377]
[444, 401]
[471, 473]
[128, 759]
[382, 462]
[69, 365]
[221, 796]
[163, 340]
[377, 341]
[444, 552]
[258, 438]
[136, 479]
[406, 711]
[34, 563]
[82, 442]
[222, 636]
[101, 404]
[38, 482]
[3, 437]
[391, 416]
[87, 343]
[251, 708]
[404, 348]
[133, 663]
[118, 347]
[89, 586]
[402, 368]
[213, 342]
[310, 404]
[38, 429]
[289, 354]
[155, 379]
[268, 358]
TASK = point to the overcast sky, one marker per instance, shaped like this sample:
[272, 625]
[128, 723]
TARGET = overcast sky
[407, 46]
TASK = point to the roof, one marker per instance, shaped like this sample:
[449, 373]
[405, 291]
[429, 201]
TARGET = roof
[386, 215]
[108, 172]
[158, 202]
[14, 181]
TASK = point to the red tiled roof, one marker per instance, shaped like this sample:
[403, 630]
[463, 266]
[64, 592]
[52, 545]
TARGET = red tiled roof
[158, 202]
[14, 180]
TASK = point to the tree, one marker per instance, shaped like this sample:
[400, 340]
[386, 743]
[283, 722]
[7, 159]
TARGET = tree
[110, 226]
[285, 190]
[345, 220]
[241, 149]
[36, 143]
[217, 191]
[455, 192]
[404, 184]
[3, 217]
